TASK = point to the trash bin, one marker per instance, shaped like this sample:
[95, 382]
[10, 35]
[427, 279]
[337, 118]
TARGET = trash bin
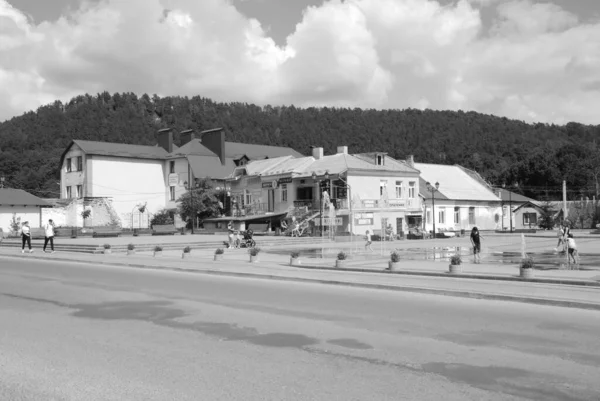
[73, 233]
[278, 231]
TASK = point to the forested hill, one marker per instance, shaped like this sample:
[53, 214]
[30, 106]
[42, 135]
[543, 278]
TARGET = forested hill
[537, 157]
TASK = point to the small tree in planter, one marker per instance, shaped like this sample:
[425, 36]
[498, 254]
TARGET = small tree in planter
[186, 252]
[254, 254]
[158, 250]
[526, 267]
[107, 249]
[294, 258]
[130, 249]
[394, 262]
[219, 254]
[455, 264]
[341, 259]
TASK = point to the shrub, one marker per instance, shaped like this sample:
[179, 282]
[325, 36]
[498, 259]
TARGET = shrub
[295, 255]
[342, 255]
[130, 247]
[395, 256]
[455, 260]
[86, 213]
[106, 246]
[157, 248]
[219, 251]
[527, 263]
[162, 217]
[187, 249]
[254, 251]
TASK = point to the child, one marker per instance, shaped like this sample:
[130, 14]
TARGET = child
[561, 235]
[238, 239]
[368, 244]
[572, 247]
[476, 242]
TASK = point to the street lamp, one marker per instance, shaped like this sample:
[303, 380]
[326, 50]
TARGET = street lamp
[509, 206]
[432, 189]
[326, 178]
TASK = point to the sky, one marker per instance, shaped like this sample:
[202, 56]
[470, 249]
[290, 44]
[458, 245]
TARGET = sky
[531, 60]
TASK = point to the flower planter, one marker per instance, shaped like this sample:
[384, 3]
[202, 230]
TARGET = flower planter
[455, 269]
[393, 265]
[185, 255]
[218, 256]
[107, 251]
[340, 263]
[157, 253]
[131, 252]
[295, 261]
[253, 259]
[526, 273]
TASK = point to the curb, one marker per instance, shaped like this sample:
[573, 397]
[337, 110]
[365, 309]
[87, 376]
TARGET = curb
[458, 275]
[420, 290]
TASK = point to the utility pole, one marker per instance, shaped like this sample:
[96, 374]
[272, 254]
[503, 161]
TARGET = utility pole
[191, 189]
[564, 190]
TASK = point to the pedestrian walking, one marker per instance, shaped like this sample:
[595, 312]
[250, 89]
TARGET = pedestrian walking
[26, 237]
[561, 238]
[369, 242]
[230, 235]
[476, 242]
[572, 249]
[49, 235]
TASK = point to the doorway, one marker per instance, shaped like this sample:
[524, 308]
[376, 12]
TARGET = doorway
[271, 200]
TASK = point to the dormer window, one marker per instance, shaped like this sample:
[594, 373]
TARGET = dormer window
[242, 161]
[379, 159]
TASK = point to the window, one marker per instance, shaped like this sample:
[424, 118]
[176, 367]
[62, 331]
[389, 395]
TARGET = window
[529, 218]
[399, 191]
[172, 167]
[69, 166]
[471, 215]
[382, 187]
[284, 193]
[172, 193]
[442, 216]
[79, 191]
[428, 217]
[456, 215]
[247, 197]
[69, 191]
[79, 163]
[379, 160]
[305, 193]
[411, 189]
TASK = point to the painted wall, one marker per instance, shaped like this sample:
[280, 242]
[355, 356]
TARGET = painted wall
[129, 182]
[32, 214]
[180, 176]
[488, 215]
[74, 177]
[367, 187]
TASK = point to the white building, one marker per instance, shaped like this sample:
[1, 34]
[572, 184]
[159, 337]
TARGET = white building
[21, 206]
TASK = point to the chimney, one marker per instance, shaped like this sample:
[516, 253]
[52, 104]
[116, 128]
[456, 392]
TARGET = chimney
[186, 136]
[342, 149]
[410, 160]
[317, 153]
[165, 139]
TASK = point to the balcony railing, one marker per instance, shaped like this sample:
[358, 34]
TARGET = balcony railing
[253, 209]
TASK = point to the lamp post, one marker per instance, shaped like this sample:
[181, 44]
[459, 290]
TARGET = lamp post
[326, 178]
[509, 206]
[432, 189]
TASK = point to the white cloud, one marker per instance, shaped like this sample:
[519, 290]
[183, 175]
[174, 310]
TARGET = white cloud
[537, 62]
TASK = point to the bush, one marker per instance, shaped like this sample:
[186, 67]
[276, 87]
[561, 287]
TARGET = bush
[395, 256]
[342, 255]
[254, 251]
[162, 217]
[187, 249]
[294, 255]
[455, 260]
[130, 247]
[158, 248]
[106, 246]
[527, 263]
[219, 251]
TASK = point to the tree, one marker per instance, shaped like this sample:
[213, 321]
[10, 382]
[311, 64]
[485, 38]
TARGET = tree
[201, 202]
[547, 221]
[160, 218]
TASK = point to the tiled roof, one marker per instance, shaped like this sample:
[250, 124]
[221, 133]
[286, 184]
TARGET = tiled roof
[210, 166]
[18, 197]
[506, 195]
[455, 183]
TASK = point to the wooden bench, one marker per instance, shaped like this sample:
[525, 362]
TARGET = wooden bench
[106, 232]
[165, 229]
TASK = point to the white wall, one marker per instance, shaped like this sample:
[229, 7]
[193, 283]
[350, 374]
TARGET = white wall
[485, 215]
[129, 182]
[73, 178]
[24, 213]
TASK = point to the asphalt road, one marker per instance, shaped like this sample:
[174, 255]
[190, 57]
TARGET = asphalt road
[79, 332]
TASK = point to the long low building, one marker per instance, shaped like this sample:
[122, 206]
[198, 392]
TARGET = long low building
[18, 206]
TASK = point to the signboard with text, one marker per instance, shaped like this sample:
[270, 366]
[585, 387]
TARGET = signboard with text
[173, 179]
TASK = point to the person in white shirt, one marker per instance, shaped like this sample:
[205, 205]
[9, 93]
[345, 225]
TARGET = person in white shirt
[369, 242]
[572, 247]
[26, 237]
[49, 235]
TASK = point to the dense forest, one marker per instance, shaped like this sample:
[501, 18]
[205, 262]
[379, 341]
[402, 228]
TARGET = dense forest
[534, 158]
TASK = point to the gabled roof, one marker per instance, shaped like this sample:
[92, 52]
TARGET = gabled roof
[528, 204]
[455, 183]
[18, 197]
[506, 195]
[117, 150]
[210, 166]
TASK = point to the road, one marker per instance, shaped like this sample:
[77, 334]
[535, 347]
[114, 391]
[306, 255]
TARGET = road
[80, 332]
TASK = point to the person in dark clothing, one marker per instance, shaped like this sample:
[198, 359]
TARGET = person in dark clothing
[476, 241]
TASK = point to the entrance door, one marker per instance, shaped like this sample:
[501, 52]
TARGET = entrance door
[399, 225]
[271, 197]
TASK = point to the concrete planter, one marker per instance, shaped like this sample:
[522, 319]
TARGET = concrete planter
[131, 252]
[157, 254]
[218, 256]
[295, 261]
[393, 265]
[185, 255]
[455, 269]
[526, 273]
[253, 259]
[341, 263]
[107, 251]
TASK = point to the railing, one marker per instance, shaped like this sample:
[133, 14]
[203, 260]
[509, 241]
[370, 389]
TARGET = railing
[304, 204]
[253, 209]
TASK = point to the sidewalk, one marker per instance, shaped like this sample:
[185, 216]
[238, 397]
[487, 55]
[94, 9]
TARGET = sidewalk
[582, 291]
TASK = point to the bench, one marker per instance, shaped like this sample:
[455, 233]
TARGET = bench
[106, 232]
[37, 233]
[164, 229]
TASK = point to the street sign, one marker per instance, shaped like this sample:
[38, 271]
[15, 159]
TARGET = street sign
[173, 179]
